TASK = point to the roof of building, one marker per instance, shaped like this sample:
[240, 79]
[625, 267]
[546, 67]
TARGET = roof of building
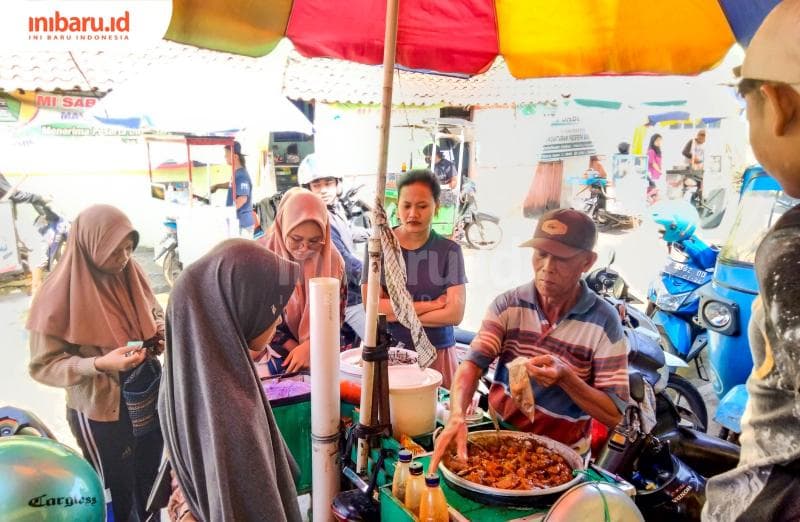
[339, 81]
[100, 71]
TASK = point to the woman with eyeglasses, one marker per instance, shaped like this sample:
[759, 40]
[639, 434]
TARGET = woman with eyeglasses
[435, 275]
[301, 233]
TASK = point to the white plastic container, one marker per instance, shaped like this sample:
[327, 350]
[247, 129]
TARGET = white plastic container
[350, 362]
[412, 400]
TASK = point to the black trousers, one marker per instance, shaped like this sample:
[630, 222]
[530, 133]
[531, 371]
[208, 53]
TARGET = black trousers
[127, 465]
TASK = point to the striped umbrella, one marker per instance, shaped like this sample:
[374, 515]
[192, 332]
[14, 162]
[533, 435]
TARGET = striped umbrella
[537, 38]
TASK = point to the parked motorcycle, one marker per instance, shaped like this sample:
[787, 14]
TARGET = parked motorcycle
[356, 209]
[479, 229]
[596, 204]
[168, 249]
[665, 460]
[710, 206]
[643, 336]
[674, 297]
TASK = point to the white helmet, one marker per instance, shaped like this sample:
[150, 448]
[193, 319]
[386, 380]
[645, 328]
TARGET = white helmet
[311, 168]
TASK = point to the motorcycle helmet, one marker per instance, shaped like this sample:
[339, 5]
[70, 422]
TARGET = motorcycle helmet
[678, 217]
[44, 481]
[594, 502]
[311, 168]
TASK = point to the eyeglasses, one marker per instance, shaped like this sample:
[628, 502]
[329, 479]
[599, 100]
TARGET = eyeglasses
[295, 242]
[749, 85]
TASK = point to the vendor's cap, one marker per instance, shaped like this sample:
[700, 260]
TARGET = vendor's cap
[774, 51]
[237, 148]
[564, 233]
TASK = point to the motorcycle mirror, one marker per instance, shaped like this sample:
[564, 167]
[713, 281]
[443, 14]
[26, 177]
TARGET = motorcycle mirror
[612, 255]
[618, 291]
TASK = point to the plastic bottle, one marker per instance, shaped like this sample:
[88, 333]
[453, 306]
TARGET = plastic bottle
[433, 505]
[401, 474]
[415, 487]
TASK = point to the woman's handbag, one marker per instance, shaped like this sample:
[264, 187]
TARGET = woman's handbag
[140, 392]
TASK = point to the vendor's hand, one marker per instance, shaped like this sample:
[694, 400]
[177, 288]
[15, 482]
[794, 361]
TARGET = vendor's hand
[548, 370]
[121, 359]
[299, 358]
[456, 428]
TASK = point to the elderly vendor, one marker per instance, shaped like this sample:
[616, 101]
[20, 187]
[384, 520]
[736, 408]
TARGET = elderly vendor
[573, 340]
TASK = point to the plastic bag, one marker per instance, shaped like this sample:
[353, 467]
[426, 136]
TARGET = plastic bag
[519, 384]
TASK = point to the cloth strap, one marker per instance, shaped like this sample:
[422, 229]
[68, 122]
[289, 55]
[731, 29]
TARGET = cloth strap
[394, 269]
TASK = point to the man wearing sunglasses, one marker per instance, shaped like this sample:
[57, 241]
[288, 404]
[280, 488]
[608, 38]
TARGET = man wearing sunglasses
[766, 483]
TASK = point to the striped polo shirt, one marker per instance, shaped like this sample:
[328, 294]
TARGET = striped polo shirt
[589, 339]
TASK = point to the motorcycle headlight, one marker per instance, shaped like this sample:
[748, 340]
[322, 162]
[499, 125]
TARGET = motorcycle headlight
[717, 314]
[670, 302]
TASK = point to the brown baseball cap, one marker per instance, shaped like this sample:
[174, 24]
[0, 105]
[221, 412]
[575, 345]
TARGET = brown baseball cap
[564, 232]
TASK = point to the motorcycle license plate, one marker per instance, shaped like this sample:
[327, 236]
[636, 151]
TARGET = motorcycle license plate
[693, 275]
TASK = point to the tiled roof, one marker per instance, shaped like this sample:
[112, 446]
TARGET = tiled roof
[100, 71]
[329, 80]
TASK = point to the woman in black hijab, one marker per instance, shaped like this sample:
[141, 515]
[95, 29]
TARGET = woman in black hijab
[222, 440]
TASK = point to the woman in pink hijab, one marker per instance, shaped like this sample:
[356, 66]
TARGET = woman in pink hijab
[301, 233]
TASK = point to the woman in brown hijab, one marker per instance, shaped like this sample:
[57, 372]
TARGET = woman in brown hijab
[95, 302]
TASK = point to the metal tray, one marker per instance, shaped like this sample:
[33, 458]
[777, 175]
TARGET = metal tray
[514, 497]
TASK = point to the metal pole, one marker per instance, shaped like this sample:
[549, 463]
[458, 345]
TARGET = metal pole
[374, 266]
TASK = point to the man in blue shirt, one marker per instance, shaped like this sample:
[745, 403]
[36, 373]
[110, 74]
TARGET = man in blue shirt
[344, 235]
[243, 189]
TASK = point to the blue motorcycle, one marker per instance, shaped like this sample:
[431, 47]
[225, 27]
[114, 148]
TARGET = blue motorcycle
[674, 297]
[724, 308]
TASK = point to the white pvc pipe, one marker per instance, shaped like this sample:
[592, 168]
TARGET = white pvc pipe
[325, 465]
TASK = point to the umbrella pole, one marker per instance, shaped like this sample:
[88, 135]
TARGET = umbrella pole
[374, 266]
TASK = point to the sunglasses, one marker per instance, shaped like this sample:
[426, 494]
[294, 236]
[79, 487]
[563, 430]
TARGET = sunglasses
[295, 242]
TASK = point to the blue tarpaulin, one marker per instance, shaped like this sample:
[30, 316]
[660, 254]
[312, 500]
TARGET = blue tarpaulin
[744, 16]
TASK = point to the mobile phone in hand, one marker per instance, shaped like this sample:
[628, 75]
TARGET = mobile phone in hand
[134, 346]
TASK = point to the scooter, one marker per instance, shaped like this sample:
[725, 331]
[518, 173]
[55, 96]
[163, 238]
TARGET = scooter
[725, 303]
[596, 203]
[673, 298]
[711, 206]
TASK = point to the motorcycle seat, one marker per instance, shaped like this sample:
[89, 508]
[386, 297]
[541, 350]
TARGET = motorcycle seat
[645, 356]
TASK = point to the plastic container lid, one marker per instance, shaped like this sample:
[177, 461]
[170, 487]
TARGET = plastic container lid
[415, 468]
[404, 455]
[432, 481]
[350, 360]
[413, 378]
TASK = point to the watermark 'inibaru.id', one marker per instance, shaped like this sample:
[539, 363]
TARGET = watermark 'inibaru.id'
[62, 27]
[34, 25]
